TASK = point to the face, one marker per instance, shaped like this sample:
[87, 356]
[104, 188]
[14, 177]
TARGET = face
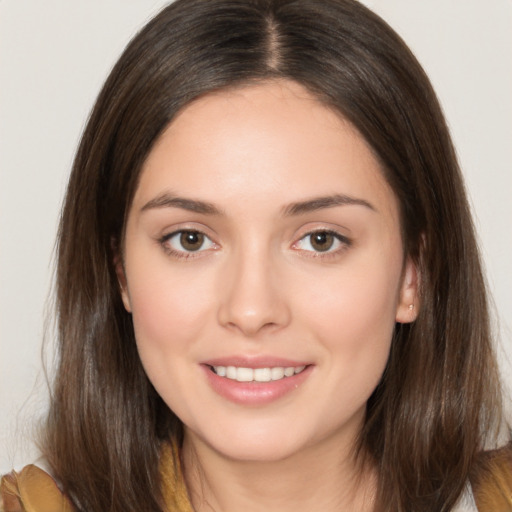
[263, 267]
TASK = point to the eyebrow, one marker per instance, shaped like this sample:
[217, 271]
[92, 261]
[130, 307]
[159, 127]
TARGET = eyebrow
[167, 200]
[319, 203]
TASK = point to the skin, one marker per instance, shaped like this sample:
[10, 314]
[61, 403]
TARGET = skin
[258, 286]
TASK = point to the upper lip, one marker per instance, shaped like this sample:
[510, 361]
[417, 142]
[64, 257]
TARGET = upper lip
[261, 361]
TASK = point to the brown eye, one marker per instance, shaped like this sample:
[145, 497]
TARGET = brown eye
[322, 241]
[183, 242]
[191, 240]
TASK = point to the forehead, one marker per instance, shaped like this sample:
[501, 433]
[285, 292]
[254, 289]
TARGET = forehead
[274, 139]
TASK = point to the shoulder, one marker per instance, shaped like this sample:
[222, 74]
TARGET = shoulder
[31, 490]
[492, 481]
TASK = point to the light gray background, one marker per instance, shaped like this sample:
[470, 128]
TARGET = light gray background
[54, 56]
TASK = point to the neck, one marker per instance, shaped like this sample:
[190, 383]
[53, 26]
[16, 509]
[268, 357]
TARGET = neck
[320, 478]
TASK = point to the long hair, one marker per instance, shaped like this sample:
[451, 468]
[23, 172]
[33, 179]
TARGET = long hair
[438, 402]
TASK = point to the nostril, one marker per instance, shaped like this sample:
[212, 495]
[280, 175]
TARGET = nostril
[251, 302]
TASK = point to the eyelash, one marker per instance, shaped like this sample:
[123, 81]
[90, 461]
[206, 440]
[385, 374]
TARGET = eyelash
[343, 241]
[344, 244]
[184, 254]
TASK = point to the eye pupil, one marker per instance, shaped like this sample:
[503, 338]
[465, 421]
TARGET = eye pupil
[322, 241]
[191, 240]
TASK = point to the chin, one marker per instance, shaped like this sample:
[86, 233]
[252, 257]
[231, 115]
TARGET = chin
[251, 444]
[258, 451]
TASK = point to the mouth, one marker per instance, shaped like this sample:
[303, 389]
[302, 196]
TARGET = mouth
[253, 382]
[267, 374]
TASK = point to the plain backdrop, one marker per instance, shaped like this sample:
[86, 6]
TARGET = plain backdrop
[54, 57]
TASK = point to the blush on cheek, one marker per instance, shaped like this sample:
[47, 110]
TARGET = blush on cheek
[356, 315]
[167, 312]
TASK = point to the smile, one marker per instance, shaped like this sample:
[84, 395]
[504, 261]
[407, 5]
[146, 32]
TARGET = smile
[241, 374]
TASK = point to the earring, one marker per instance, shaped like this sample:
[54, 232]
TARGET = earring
[411, 307]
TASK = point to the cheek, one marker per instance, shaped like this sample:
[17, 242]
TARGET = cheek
[356, 302]
[169, 316]
[353, 316]
[354, 324]
[168, 310]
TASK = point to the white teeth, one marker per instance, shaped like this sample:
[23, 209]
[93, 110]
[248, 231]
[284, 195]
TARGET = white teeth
[241, 374]
[288, 372]
[277, 373]
[262, 375]
[244, 374]
[231, 372]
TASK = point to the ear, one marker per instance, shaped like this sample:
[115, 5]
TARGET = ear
[121, 279]
[408, 300]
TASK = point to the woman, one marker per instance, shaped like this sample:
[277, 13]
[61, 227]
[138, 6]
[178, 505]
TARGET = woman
[269, 292]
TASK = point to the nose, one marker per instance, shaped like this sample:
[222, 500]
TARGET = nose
[252, 295]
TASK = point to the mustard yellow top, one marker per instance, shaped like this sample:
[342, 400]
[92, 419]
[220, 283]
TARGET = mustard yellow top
[33, 490]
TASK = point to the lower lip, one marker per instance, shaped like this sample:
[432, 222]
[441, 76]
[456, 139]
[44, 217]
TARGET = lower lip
[255, 393]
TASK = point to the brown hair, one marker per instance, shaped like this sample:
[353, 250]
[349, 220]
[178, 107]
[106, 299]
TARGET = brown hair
[439, 395]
